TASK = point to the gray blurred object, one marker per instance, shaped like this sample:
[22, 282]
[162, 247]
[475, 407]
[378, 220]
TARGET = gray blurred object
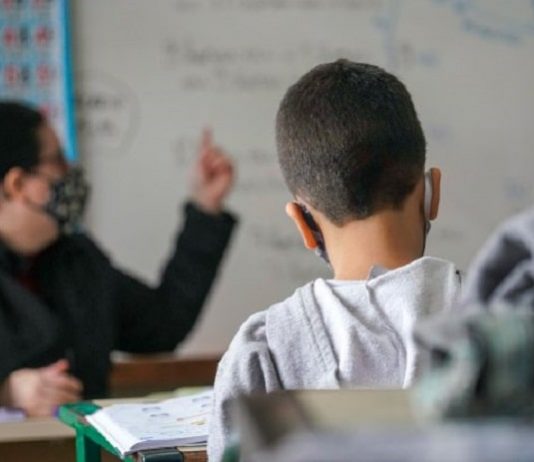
[482, 362]
[478, 365]
[266, 420]
[450, 443]
[503, 270]
[366, 425]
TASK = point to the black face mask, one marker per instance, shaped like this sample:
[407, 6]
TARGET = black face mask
[68, 200]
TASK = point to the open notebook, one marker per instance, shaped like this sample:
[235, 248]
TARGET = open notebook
[164, 424]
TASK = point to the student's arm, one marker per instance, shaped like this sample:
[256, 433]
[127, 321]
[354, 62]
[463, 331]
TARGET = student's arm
[156, 319]
[246, 367]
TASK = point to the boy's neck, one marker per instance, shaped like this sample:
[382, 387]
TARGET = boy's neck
[389, 239]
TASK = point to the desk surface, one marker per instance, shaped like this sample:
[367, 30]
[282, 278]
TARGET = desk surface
[35, 429]
[43, 428]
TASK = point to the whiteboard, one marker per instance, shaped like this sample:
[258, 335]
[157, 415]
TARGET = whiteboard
[151, 74]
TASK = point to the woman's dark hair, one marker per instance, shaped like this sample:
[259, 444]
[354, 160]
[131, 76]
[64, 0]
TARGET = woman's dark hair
[19, 143]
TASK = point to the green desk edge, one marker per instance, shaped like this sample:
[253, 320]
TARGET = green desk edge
[88, 440]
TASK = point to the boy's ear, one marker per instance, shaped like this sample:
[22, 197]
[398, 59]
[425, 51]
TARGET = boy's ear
[295, 213]
[12, 182]
[436, 192]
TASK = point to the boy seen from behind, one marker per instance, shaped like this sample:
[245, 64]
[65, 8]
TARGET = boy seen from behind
[352, 152]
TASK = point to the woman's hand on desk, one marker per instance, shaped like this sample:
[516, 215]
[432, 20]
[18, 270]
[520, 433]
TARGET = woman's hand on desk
[40, 391]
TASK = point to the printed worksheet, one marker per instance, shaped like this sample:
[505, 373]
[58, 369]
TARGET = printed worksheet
[173, 422]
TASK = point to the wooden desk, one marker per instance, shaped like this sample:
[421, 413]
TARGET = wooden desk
[35, 429]
[42, 439]
[140, 375]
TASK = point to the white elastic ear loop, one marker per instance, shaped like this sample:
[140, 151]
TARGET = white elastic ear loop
[428, 199]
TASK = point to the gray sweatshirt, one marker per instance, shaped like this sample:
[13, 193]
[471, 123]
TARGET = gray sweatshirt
[503, 270]
[332, 334]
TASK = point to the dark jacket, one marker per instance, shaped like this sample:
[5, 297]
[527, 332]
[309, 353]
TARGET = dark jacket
[84, 307]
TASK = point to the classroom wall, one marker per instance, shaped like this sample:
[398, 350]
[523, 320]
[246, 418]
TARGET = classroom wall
[151, 74]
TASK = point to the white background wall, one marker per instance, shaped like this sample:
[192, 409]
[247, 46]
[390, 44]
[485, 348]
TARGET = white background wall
[151, 74]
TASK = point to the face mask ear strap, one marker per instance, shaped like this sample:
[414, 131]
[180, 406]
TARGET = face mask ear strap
[320, 250]
[429, 193]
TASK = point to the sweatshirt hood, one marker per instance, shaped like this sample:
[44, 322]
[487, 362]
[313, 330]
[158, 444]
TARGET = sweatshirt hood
[358, 333]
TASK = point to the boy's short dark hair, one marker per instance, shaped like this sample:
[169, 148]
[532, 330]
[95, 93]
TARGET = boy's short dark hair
[19, 143]
[349, 140]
